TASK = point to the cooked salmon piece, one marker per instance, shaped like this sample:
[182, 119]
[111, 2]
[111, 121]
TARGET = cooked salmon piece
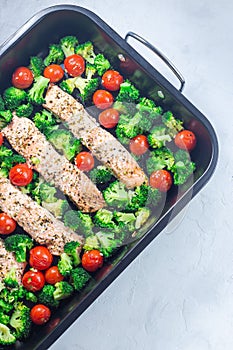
[38, 222]
[104, 146]
[28, 141]
[7, 262]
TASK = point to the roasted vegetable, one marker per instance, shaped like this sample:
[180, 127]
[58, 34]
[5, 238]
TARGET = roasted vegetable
[79, 278]
[37, 65]
[36, 92]
[63, 290]
[159, 159]
[20, 321]
[18, 243]
[173, 125]
[13, 97]
[72, 249]
[158, 136]
[86, 50]
[182, 168]
[68, 44]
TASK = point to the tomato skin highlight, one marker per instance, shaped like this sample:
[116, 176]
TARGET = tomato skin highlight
[54, 73]
[109, 118]
[33, 281]
[7, 224]
[53, 275]
[74, 65]
[161, 179]
[92, 260]
[40, 314]
[102, 99]
[40, 258]
[1, 139]
[139, 145]
[186, 140]
[21, 175]
[22, 78]
[112, 80]
[85, 161]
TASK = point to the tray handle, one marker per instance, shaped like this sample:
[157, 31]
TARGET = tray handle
[160, 54]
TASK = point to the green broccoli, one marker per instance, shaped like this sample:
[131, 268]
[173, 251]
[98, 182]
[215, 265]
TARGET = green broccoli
[36, 92]
[128, 92]
[24, 110]
[128, 126]
[6, 337]
[173, 125]
[79, 278]
[108, 243]
[4, 318]
[65, 265]
[5, 118]
[20, 321]
[86, 87]
[86, 50]
[116, 195]
[58, 208]
[10, 295]
[158, 136]
[159, 159]
[47, 192]
[101, 64]
[125, 220]
[72, 249]
[36, 65]
[121, 107]
[121, 136]
[154, 197]
[10, 279]
[8, 159]
[142, 216]
[182, 168]
[46, 297]
[76, 220]
[104, 218]
[45, 121]
[91, 242]
[148, 109]
[65, 143]
[5, 306]
[29, 296]
[63, 290]
[137, 198]
[68, 85]
[18, 243]
[68, 44]
[2, 104]
[55, 55]
[13, 97]
[100, 174]
[90, 71]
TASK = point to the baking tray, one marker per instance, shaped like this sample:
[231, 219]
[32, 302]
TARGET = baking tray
[34, 37]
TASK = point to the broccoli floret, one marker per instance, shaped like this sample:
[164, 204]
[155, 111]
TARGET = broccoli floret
[13, 97]
[101, 64]
[72, 249]
[10, 279]
[76, 220]
[18, 244]
[37, 65]
[86, 87]
[154, 196]
[159, 159]
[86, 50]
[121, 136]
[11, 295]
[6, 306]
[128, 126]
[100, 174]
[5, 153]
[63, 290]
[142, 216]
[6, 337]
[158, 137]
[125, 220]
[182, 168]
[108, 243]
[2, 104]
[5, 118]
[71, 220]
[121, 107]
[137, 198]
[55, 55]
[68, 44]
[116, 195]
[20, 321]
[128, 92]
[148, 109]
[4, 318]
[24, 110]
[8, 159]
[58, 208]
[65, 143]
[46, 296]
[45, 121]
[47, 192]
[68, 85]
[65, 265]
[90, 71]
[29, 296]
[79, 278]
[91, 243]
[104, 218]
[36, 92]
[174, 125]
[145, 123]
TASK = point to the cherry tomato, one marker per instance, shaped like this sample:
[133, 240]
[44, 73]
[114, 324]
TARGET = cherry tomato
[74, 65]
[161, 179]
[40, 258]
[92, 260]
[33, 280]
[1, 139]
[186, 139]
[54, 72]
[109, 118]
[53, 275]
[102, 99]
[22, 78]
[112, 80]
[21, 175]
[40, 314]
[7, 224]
[139, 145]
[85, 161]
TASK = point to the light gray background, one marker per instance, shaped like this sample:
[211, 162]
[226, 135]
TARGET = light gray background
[178, 294]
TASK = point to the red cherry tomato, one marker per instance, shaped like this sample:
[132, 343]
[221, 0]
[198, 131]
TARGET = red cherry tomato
[112, 80]
[102, 99]
[53, 275]
[186, 140]
[85, 161]
[92, 260]
[74, 65]
[161, 179]
[139, 145]
[109, 118]
[40, 258]
[22, 78]
[40, 314]
[33, 280]
[54, 72]
[21, 175]
[7, 224]
[1, 139]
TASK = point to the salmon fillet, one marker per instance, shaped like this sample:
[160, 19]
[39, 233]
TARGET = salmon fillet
[28, 141]
[104, 146]
[7, 262]
[38, 222]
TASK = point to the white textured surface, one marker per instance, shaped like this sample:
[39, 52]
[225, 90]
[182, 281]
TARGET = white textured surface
[178, 294]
